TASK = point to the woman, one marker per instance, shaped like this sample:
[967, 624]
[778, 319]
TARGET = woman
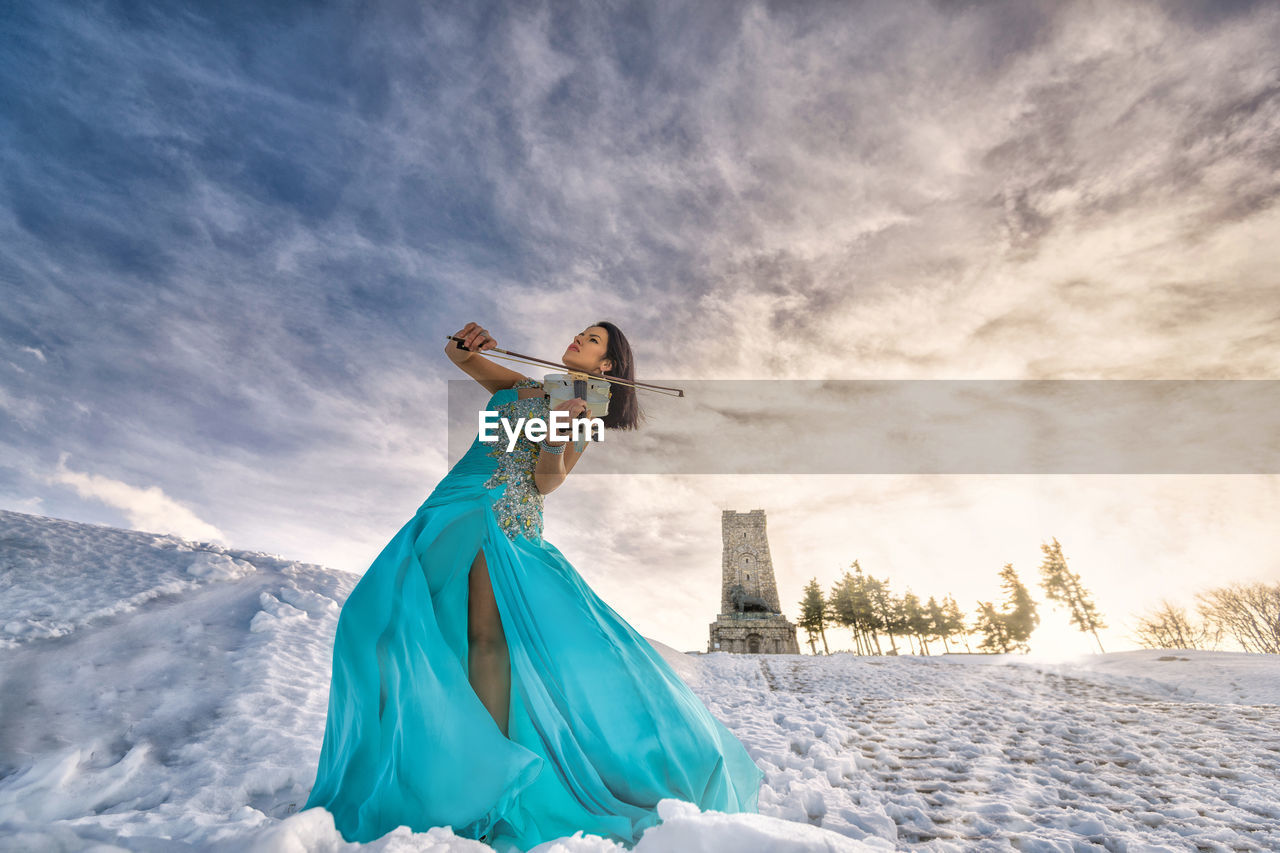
[478, 682]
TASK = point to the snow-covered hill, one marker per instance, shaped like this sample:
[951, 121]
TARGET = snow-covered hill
[159, 694]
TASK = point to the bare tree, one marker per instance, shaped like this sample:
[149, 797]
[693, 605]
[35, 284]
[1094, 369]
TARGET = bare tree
[1249, 612]
[1169, 627]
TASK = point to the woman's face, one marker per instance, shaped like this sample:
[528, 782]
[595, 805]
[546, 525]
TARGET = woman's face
[587, 351]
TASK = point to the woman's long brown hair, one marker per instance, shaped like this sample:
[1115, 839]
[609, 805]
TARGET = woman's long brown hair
[624, 408]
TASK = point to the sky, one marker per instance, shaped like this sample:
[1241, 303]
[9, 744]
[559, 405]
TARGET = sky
[233, 237]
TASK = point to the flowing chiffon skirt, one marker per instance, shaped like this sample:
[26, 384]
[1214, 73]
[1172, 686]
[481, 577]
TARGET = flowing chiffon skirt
[600, 729]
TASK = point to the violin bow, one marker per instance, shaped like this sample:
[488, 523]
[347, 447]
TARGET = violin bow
[516, 356]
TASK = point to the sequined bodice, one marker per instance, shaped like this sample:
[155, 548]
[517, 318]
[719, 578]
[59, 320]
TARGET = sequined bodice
[519, 508]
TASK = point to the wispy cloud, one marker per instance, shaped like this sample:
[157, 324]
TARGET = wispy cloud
[146, 508]
[232, 236]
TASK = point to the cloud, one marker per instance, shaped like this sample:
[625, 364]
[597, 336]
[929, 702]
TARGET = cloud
[235, 234]
[147, 509]
[32, 506]
[24, 412]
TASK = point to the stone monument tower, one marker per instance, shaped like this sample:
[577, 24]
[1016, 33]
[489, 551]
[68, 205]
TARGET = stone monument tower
[750, 619]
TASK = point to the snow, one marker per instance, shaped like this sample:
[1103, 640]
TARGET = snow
[160, 694]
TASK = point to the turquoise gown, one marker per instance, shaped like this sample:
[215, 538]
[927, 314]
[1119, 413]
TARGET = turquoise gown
[600, 729]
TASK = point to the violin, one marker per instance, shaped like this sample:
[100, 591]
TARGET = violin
[563, 387]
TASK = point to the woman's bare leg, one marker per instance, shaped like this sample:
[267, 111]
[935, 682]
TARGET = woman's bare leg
[489, 665]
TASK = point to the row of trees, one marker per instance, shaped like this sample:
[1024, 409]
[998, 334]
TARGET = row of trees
[1249, 613]
[867, 607]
